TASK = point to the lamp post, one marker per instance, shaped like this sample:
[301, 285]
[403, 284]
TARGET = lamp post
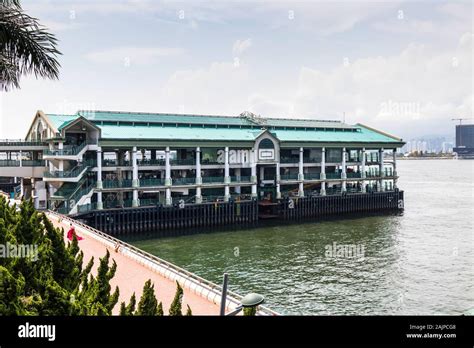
[248, 301]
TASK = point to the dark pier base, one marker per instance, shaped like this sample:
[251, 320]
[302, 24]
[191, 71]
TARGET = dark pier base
[161, 221]
[166, 221]
[322, 206]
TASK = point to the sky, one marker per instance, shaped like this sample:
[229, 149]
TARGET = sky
[403, 67]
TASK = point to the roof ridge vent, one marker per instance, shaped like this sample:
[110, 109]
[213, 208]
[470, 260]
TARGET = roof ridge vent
[251, 117]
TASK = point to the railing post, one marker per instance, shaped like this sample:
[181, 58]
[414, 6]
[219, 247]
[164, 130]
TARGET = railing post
[224, 294]
[100, 205]
[323, 172]
[168, 176]
[198, 175]
[135, 182]
[300, 174]
[344, 174]
[226, 175]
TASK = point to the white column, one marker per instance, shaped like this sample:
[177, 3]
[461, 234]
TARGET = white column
[301, 174]
[168, 176]
[323, 172]
[277, 181]
[99, 179]
[198, 175]
[362, 171]
[21, 158]
[226, 175]
[395, 168]
[344, 173]
[135, 182]
[237, 175]
[253, 166]
[381, 169]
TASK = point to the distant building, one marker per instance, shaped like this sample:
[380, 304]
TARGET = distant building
[465, 141]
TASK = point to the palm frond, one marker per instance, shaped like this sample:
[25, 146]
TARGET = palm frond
[26, 47]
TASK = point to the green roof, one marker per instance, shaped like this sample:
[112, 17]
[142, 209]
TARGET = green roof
[60, 121]
[182, 133]
[142, 117]
[168, 127]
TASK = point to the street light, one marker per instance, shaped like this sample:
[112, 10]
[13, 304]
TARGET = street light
[248, 301]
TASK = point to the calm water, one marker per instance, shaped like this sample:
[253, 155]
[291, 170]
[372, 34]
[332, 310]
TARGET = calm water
[421, 262]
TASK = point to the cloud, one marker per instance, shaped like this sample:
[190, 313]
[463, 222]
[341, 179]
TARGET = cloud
[418, 89]
[240, 46]
[133, 55]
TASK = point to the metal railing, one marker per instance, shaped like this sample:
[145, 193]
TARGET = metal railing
[312, 176]
[152, 162]
[116, 183]
[352, 175]
[234, 298]
[70, 150]
[21, 142]
[240, 179]
[66, 174]
[210, 161]
[152, 182]
[289, 160]
[289, 177]
[24, 163]
[212, 179]
[9, 163]
[178, 162]
[184, 181]
[333, 175]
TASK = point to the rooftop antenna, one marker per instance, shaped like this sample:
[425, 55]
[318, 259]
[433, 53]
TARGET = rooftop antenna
[344, 117]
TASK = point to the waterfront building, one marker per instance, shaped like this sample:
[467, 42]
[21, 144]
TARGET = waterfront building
[99, 160]
[464, 141]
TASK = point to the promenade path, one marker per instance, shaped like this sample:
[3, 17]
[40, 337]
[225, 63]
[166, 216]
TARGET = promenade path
[131, 275]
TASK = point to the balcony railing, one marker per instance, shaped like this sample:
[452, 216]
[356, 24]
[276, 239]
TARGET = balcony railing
[184, 181]
[289, 160]
[312, 176]
[210, 161]
[212, 179]
[20, 142]
[333, 175]
[24, 163]
[9, 163]
[182, 162]
[152, 162]
[240, 179]
[67, 151]
[115, 183]
[353, 175]
[372, 174]
[152, 182]
[289, 177]
[66, 174]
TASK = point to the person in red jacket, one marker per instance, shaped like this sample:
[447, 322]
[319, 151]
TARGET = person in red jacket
[72, 232]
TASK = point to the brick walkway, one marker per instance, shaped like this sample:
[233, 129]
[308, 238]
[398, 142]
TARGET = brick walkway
[131, 276]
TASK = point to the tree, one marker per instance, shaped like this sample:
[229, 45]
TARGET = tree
[148, 304]
[189, 312]
[26, 47]
[250, 311]
[50, 280]
[175, 308]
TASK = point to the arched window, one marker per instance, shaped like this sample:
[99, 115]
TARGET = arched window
[266, 144]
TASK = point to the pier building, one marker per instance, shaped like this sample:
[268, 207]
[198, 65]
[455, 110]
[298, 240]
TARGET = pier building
[117, 170]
